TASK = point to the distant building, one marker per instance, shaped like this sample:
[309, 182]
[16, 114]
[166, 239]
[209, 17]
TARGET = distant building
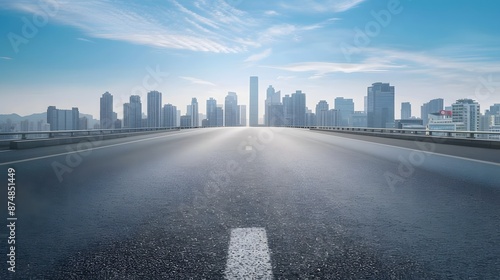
[154, 109]
[231, 109]
[254, 101]
[380, 107]
[132, 113]
[63, 119]
[186, 121]
[298, 108]
[169, 116]
[243, 114]
[409, 124]
[211, 112]
[287, 110]
[345, 107]
[358, 119]
[466, 111]
[322, 113]
[106, 111]
[405, 110]
[273, 108]
[83, 123]
[310, 118]
[220, 116]
[431, 107]
[194, 113]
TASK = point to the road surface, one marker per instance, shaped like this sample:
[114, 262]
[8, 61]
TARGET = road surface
[260, 203]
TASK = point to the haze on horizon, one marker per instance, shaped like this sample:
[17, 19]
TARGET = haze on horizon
[67, 54]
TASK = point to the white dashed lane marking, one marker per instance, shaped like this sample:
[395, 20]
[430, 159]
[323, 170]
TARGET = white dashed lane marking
[248, 255]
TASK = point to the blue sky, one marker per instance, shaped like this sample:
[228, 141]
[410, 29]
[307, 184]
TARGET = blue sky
[67, 53]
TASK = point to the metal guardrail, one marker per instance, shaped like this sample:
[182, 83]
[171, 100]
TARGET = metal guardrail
[74, 133]
[446, 133]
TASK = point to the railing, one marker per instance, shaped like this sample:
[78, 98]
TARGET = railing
[24, 135]
[424, 132]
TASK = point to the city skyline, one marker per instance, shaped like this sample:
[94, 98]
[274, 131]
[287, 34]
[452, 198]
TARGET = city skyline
[72, 54]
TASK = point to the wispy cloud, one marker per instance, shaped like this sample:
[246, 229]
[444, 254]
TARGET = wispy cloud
[323, 68]
[336, 6]
[5, 57]
[209, 26]
[259, 56]
[197, 81]
[85, 40]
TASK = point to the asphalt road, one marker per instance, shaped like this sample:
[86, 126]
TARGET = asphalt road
[252, 203]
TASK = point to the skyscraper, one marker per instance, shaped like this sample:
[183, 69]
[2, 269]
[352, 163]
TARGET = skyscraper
[380, 105]
[243, 114]
[254, 101]
[298, 108]
[466, 111]
[154, 109]
[63, 119]
[169, 116]
[195, 122]
[132, 113]
[287, 110]
[231, 109]
[433, 106]
[273, 108]
[212, 112]
[345, 108]
[220, 115]
[322, 113]
[405, 110]
[106, 112]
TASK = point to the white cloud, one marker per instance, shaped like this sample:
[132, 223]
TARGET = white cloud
[322, 68]
[259, 56]
[5, 57]
[197, 81]
[85, 40]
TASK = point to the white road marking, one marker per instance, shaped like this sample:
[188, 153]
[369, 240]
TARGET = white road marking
[91, 149]
[248, 255]
[5, 151]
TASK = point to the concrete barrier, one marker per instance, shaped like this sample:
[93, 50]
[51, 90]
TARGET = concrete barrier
[478, 143]
[35, 143]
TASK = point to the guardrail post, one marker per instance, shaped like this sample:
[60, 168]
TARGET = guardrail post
[23, 136]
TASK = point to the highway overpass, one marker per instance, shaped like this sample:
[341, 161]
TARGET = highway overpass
[267, 203]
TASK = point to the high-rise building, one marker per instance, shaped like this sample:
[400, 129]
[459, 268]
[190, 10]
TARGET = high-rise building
[322, 113]
[254, 101]
[310, 118]
[243, 114]
[298, 108]
[405, 110]
[211, 112]
[466, 111]
[273, 108]
[287, 110]
[132, 113]
[106, 112]
[63, 119]
[195, 121]
[231, 109]
[220, 116]
[169, 115]
[186, 121]
[431, 107]
[345, 108]
[380, 105]
[154, 109]
[333, 117]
